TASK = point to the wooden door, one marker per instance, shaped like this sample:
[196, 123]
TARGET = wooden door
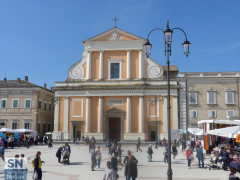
[115, 128]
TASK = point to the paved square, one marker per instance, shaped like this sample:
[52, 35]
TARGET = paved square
[79, 169]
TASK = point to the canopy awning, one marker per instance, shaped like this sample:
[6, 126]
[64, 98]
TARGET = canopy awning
[34, 133]
[232, 122]
[228, 132]
[195, 130]
[8, 130]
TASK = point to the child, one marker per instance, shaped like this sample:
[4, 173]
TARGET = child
[109, 172]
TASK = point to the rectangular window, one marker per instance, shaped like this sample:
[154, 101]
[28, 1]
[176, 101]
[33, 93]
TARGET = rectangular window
[115, 102]
[15, 92]
[192, 98]
[49, 127]
[28, 103]
[230, 113]
[14, 124]
[212, 114]
[211, 97]
[44, 128]
[230, 98]
[114, 74]
[28, 92]
[50, 107]
[3, 103]
[193, 114]
[45, 105]
[27, 125]
[15, 103]
[39, 104]
[38, 127]
[2, 123]
[3, 92]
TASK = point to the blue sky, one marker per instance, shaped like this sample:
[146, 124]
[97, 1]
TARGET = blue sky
[42, 39]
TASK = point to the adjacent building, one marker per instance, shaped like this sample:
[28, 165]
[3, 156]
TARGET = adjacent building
[208, 96]
[26, 105]
[114, 91]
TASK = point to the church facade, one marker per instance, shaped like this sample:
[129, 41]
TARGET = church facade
[115, 91]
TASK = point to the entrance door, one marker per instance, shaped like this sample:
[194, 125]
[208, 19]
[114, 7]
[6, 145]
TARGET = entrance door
[77, 131]
[115, 128]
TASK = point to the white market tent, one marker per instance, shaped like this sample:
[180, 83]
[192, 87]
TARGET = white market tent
[195, 131]
[7, 130]
[228, 132]
[231, 122]
[34, 133]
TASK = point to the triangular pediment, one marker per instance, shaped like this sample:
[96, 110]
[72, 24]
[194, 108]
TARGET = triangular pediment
[114, 34]
[114, 110]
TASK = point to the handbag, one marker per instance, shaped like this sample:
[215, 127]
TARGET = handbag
[99, 157]
[35, 175]
[191, 156]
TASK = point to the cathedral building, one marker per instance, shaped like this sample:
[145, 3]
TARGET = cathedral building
[115, 92]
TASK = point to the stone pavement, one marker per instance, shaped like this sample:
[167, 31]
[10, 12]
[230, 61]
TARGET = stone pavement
[79, 169]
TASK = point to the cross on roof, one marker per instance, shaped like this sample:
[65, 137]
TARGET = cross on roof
[115, 19]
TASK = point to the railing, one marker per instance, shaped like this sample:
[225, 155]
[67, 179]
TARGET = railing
[17, 110]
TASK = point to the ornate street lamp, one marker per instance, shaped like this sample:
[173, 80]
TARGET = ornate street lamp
[168, 41]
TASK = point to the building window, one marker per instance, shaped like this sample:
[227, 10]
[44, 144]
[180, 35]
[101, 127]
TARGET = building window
[15, 103]
[28, 103]
[50, 107]
[230, 113]
[14, 124]
[193, 114]
[3, 92]
[49, 127]
[115, 102]
[115, 69]
[2, 123]
[3, 103]
[45, 105]
[28, 92]
[230, 98]
[15, 92]
[211, 98]
[39, 104]
[192, 98]
[44, 128]
[212, 114]
[38, 128]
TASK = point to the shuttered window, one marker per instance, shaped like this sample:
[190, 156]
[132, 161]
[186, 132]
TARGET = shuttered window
[211, 97]
[192, 98]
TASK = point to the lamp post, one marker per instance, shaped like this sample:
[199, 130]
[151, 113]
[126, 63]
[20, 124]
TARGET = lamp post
[168, 41]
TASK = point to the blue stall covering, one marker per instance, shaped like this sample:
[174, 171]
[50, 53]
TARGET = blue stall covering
[16, 136]
[3, 135]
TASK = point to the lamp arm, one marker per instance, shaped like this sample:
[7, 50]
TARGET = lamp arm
[181, 30]
[154, 30]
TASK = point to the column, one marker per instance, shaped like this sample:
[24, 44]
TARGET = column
[141, 114]
[100, 114]
[56, 116]
[89, 65]
[128, 114]
[175, 112]
[164, 111]
[141, 65]
[66, 102]
[101, 65]
[88, 115]
[128, 64]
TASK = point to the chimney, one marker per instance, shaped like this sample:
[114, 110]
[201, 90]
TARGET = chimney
[18, 80]
[45, 86]
[5, 80]
[26, 78]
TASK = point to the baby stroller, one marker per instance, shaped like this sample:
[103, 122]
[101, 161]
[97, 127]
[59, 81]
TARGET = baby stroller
[66, 155]
[50, 144]
[215, 163]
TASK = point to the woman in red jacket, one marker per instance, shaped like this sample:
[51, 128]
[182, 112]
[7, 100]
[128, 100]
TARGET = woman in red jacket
[188, 155]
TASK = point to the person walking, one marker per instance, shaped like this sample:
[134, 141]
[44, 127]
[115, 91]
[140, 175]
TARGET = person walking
[119, 150]
[174, 151]
[2, 151]
[37, 165]
[59, 153]
[109, 173]
[93, 158]
[183, 145]
[165, 154]
[156, 143]
[200, 156]
[114, 164]
[138, 144]
[164, 142]
[98, 157]
[225, 157]
[189, 156]
[150, 152]
[131, 171]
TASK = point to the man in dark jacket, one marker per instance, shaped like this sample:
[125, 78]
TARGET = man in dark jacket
[59, 153]
[129, 156]
[131, 168]
[200, 156]
[114, 164]
[225, 157]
